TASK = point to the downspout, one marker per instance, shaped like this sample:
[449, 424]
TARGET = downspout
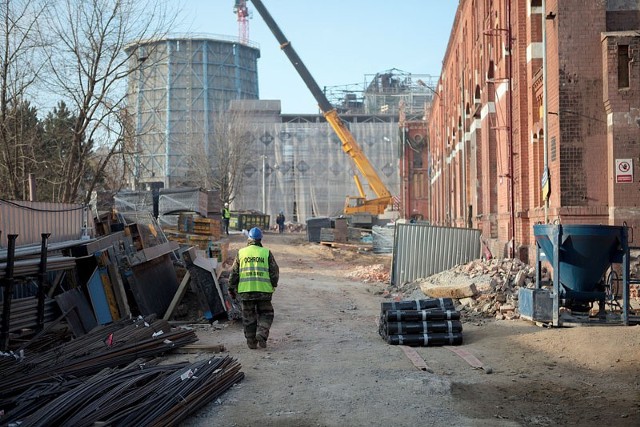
[512, 214]
[405, 182]
[463, 131]
[544, 109]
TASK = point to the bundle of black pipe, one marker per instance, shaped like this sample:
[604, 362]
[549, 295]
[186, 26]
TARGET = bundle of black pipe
[425, 322]
[419, 304]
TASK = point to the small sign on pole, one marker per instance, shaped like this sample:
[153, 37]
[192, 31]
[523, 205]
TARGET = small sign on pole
[624, 170]
[545, 184]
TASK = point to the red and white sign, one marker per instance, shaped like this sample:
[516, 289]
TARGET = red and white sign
[624, 170]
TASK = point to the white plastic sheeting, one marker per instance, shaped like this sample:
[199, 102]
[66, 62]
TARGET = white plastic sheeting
[307, 174]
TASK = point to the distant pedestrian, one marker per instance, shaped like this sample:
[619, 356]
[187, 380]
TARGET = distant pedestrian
[226, 215]
[253, 279]
[280, 222]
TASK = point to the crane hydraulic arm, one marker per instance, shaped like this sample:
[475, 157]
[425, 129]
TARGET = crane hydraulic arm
[349, 144]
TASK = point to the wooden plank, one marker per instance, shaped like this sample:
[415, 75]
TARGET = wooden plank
[473, 361]
[119, 291]
[415, 358]
[109, 293]
[118, 286]
[178, 296]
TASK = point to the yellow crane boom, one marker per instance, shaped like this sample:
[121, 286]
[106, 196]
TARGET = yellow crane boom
[349, 145]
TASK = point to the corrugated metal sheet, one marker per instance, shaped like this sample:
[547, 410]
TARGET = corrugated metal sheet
[65, 221]
[423, 250]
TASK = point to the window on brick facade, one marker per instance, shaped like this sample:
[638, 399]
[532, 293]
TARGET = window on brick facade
[536, 3]
[623, 66]
[417, 160]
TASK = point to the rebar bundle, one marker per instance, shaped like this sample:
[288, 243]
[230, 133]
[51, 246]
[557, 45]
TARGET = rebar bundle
[111, 376]
[425, 322]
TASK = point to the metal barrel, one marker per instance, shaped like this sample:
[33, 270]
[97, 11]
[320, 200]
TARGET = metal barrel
[432, 314]
[410, 328]
[419, 304]
[434, 339]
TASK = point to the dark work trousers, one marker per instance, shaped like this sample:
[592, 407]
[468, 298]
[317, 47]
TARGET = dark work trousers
[257, 317]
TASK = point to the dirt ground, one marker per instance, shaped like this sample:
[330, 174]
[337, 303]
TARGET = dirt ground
[326, 365]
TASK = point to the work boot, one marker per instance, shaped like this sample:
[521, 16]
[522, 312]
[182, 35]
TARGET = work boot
[262, 341]
[252, 344]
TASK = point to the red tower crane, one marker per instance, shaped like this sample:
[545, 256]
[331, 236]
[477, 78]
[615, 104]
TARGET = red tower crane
[242, 12]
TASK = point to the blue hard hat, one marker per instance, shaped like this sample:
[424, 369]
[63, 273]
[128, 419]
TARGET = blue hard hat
[255, 233]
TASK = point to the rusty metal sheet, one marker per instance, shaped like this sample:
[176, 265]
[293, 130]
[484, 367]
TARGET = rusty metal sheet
[153, 285]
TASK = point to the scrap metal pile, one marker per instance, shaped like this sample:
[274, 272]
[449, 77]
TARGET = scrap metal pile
[110, 376]
[425, 322]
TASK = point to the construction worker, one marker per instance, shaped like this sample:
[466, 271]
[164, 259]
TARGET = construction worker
[226, 215]
[280, 222]
[253, 279]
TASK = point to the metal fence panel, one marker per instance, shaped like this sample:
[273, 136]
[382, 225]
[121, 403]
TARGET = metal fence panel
[424, 250]
[65, 221]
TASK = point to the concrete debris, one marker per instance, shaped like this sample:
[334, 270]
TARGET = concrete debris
[376, 273]
[481, 288]
[449, 290]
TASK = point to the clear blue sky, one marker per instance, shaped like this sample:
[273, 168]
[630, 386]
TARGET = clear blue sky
[340, 41]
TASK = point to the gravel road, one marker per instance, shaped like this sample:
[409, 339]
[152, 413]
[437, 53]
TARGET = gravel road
[326, 365]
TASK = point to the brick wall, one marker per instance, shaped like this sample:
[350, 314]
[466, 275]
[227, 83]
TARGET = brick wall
[498, 171]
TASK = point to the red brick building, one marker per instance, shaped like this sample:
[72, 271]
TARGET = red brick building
[493, 162]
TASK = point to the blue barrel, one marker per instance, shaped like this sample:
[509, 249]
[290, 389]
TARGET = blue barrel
[586, 251]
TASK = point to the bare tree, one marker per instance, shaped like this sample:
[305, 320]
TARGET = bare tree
[20, 65]
[117, 167]
[220, 166]
[89, 66]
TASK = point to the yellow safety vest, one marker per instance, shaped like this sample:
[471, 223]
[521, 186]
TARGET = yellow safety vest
[254, 270]
[225, 213]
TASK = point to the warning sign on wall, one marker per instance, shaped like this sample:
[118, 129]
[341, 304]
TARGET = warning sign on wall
[624, 170]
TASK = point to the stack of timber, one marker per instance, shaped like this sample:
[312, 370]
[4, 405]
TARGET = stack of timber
[422, 322]
[202, 233]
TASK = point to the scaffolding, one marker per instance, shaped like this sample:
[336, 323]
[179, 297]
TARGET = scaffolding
[306, 173]
[382, 92]
[182, 83]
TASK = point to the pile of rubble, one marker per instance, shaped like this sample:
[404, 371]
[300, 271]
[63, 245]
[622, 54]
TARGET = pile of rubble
[376, 273]
[482, 288]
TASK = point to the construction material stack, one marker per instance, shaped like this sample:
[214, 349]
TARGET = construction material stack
[421, 322]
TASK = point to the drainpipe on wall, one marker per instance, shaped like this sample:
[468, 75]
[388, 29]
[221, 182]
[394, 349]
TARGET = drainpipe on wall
[512, 214]
[463, 131]
[544, 107]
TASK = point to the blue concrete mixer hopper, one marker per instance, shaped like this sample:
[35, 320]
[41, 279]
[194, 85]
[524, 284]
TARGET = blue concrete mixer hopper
[579, 255]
